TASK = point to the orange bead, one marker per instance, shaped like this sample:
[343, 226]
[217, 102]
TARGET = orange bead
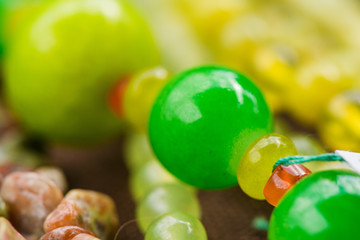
[282, 179]
[116, 96]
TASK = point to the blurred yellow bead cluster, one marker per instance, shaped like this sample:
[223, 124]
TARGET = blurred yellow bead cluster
[300, 53]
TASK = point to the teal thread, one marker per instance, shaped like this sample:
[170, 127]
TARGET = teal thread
[302, 159]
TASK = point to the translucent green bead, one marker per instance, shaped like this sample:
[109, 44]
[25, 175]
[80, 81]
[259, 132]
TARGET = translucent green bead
[202, 123]
[256, 166]
[164, 199]
[150, 175]
[307, 145]
[176, 226]
[137, 151]
[322, 206]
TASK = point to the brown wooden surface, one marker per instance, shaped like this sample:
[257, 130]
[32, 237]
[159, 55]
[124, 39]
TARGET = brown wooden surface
[227, 214]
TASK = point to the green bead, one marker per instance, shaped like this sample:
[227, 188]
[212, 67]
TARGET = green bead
[322, 206]
[164, 199]
[203, 121]
[176, 226]
[256, 166]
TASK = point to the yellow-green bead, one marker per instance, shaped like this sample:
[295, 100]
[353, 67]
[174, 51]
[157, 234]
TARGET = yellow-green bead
[140, 94]
[257, 163]
[137, 151]
[150, 175]
[164, 199]
[176, 226]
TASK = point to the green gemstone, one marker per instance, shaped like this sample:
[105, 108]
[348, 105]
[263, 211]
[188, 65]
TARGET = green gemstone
[176, 226]
[203, 121]
[164, 199]
[322, 206]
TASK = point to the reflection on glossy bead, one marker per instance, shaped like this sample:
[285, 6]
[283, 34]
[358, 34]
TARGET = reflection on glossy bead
[256, 165]
[137, 151]
[339, 128]
[150, 175]
[176, 226]
[202, 123]
[140, 94]
[322, 206]
[283, 178]
[164, 199]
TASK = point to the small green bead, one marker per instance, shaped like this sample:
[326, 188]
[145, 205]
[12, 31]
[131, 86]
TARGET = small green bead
[203, 121]
[137, 151]
[322, 206]
[150, 175]
[256, 166]
[164, 199]
[176, 226]
[307, 145]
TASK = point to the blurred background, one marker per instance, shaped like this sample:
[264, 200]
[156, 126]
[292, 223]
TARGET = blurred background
[64, 65]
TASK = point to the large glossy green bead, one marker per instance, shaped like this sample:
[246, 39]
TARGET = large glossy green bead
[176, 226]
[203, 121]
[322, 206]
[256, 166]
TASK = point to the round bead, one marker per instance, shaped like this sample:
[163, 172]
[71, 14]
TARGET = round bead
[256, 166]
[203, 121]
[150, 175]
[140, 94]
[164, 199]
[282, 180]
[176, 226]
[69, 104]
[137, 152]
[322, 206]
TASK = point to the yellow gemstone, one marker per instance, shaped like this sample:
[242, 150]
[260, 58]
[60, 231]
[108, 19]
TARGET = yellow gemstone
[140, 95]
[257, 163]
